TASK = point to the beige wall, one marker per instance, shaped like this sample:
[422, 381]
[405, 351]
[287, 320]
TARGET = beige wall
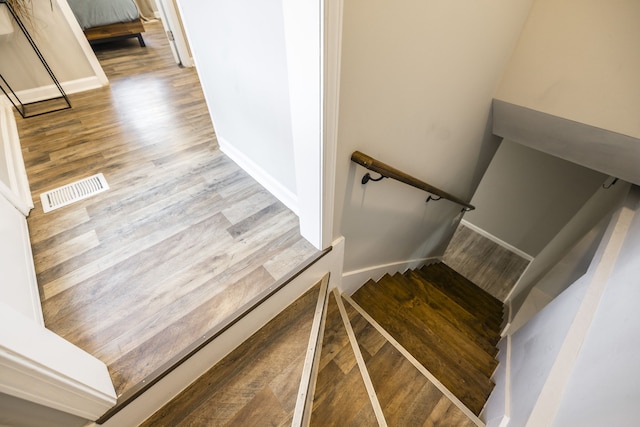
[58, 44]
[579, 60]
[571, 88]
[416, 87]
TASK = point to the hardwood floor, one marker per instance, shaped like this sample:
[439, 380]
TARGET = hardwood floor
[487, 264]
[340, 397]
[446, 322]
[406, 396]
[182, 238]
[256, 384]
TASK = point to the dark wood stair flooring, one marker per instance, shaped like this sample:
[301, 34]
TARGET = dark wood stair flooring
[478, 350]
[256, 384]
[408, 311]
[340, 398]
[465, 293]
[473, 327]
[406, 396]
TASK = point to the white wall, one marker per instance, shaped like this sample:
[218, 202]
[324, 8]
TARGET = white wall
[527, 196]
[62, 45]
[535, 348]
[239, 48]
[416, 87]
[604, 388]
[575, 362]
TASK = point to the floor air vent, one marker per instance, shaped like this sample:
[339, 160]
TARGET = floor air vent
[73, 192]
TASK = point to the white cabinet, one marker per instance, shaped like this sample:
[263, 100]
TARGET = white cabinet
[18, 286]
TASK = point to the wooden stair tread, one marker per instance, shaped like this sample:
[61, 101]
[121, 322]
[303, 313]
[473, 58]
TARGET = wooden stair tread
[455, 372]
[258, 380]
[478, 357]
[481, 293]
[468, 324]
[457, 293]
[340, 397]
[467, 295]
[407, 397]
[409, 318]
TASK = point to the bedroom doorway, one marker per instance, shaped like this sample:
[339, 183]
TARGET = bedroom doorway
[166, 11]
[169, 15]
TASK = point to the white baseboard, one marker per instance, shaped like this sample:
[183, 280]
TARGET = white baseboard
[495, 239]
[497, 410]
[353, 280]
[267, 181]
[51, 91]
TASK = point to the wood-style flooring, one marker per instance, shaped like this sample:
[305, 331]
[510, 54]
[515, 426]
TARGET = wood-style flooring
[487, 264]
[182, 238]
[340, 397]
[447, 323]
[256, 384]
[406, 396]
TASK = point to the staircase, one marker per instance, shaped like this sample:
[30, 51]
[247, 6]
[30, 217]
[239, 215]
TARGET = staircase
[416, 348]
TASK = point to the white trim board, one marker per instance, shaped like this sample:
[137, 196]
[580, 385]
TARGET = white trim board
[497, 410]
[39, 366]
[331, 63]
[495, 239]
[274, 187]
[51, 91]
[364, 372]
[308, 379]
[353, 280]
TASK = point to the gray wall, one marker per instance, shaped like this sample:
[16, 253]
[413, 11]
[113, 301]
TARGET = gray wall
[527, 196]
[16, 412]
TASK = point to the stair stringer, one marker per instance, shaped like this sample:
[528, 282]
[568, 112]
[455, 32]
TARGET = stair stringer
[353, 280]
[360, 360]
[444, 390]
[304, 403]
[200, 362]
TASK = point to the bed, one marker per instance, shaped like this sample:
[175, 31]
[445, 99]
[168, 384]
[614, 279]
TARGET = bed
[107, 20]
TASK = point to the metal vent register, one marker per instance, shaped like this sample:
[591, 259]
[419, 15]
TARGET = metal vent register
[73, 192]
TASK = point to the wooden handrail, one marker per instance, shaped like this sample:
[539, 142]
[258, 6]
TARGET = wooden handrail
[391, 172]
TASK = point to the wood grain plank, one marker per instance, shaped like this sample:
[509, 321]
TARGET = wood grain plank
[472, 327]
[427, 347]
[134, 275]
[340, 395]
[487, 264]
[247, 385]
[406, 396]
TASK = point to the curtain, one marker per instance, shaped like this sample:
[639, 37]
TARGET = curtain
[147, 9]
